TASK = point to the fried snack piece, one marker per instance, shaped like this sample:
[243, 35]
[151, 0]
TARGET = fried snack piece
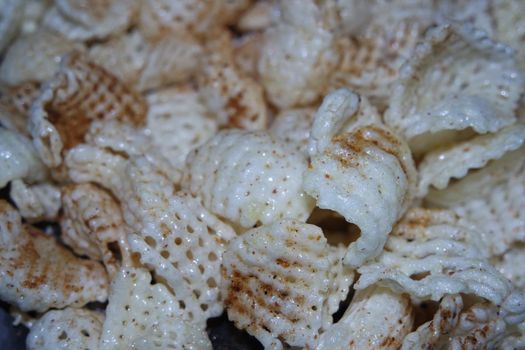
[510, 263]
[145, 315]
[92, 225]
[293, 126]
[66, 329]
[38, 274]
[377, 318]
[366, 174]
[99, 20]
[80, 93]
[509, 25]
[15, 104]
[18, 159]
[249, 178]
[259, 16]
[277, 283]
[10, 21]
[35, 57]
[236, 99]
[36, 202]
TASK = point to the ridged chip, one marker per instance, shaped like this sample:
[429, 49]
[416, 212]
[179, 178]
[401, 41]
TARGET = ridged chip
[145, 315]
[80, 93]
[377, 318]
[92, 225]
[258, 16]
[237, 100]
[247, 50]
[366, 174]
[39, 274]
[15, 104]
[66, 329]
[36, 202]
[35, 57]
[10, 21]
[100, 20]
[249, 178]
[277, 282]
[509, 25]
[34, 11]
[293, 126]
[510, 265]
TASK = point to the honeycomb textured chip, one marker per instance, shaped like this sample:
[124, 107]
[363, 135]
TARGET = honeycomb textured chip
[101, 19]
[457, 78]
[453, 162]
[18, 159]
[249, 178]
[178, 123]
[277, 280]
[92, 225]
[34, 57]
[367, 174]
[296, 58]
[236, 100]
[15, 104]
[36, 202]
[81, 93]
[66, 329]
[145, 315]
[431, 253]
[10, 20]
[32, 269]
[377, 318]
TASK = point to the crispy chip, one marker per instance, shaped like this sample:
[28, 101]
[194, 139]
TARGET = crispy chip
[10, 20]
[377, 318]
[277, 280]
[92, 225]
[18, 159]
[249, 178]
[509, 23]
[34, 11]
[36, 202]
[366, 174]
[258, 17]
[236, 100]
[35, 57]
[15, 104]
[247, 50]
[99, 20]
[32, 269]
[143, 315]
[293, 126]
[510, 265]
[66, 329]
[81, 93]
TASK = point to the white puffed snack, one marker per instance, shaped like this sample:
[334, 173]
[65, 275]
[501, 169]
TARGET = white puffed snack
[366, 174]
[79, 94]
[32, 269]
[10, 20]
[293, 126]
[510, 265]
[431, 253]
[377, 318]
[36, 202]
[34, 57]
[509, 25]
[249, 178]
[277, 283]
[143, 315]
[101, 19]
[15, 103]
[237, 100]
[18, 159]
[92, 225]
[66, 329]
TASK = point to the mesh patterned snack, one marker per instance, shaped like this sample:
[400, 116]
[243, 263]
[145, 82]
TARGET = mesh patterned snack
[66, 329]
[36, 202]
[377, 318]
[32, 266]
[277, 283]
[145, 315]
[367, 174]
[15, 104]
[249, 178]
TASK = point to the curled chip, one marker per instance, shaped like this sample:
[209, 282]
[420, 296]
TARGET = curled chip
[457, 79]
[39, 274]
[101, 19]
[178, 123]
[34, 57]
[80, 93]
[144, 315]
[236, 99]
[36, 202]
[249, 178]
[18, 159]
[431, 253]
[66, 329]
[377, 318]
[366, 174]
[15, 104]
[296, 58]
[92, 225]
[277, 282]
